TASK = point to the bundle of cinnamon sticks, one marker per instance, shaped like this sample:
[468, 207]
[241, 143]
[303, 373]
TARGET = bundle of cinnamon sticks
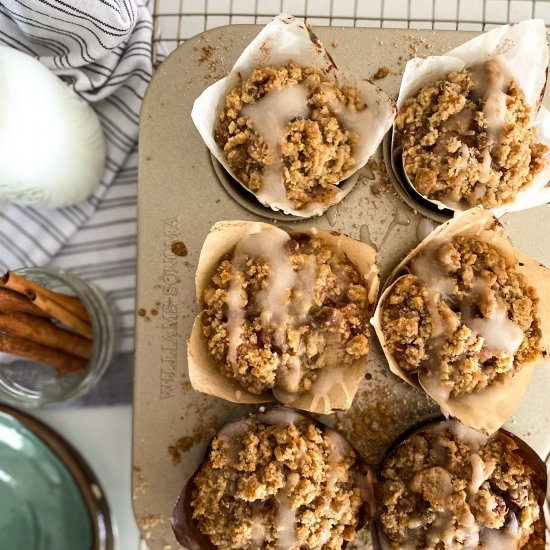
[40, 324]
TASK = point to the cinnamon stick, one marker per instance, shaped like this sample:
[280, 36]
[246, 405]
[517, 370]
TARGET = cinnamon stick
[13, 301]
[64, 316]
[44, 332]
[31, 289]
[59, 360]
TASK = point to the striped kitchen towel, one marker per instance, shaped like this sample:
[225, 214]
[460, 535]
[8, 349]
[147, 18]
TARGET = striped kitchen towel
[101, 49]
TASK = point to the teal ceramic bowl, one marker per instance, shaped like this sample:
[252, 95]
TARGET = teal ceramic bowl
[49, 497]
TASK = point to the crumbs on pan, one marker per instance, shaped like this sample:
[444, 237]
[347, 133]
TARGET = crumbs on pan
[203, 430]
[381, 73]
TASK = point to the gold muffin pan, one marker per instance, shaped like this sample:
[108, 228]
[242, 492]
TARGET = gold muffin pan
[181, 197]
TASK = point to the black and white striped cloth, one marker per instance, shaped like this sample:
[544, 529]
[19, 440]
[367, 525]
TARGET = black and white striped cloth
[102, 49]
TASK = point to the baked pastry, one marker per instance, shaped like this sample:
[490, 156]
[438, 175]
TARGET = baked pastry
[276, 479]
[470, 129]
[447, 487]
[468, 139]
[462, 318]
[289, 134]
[288, 125]
[283, 315]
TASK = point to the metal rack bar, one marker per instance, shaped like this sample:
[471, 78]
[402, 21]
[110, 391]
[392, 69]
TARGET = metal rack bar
[177, 20]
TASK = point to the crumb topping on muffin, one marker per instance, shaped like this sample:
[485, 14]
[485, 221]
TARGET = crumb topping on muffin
[468, 140]
[277, 483]
[463, 319]
[287, 132]
[449, 487]
[279, 309]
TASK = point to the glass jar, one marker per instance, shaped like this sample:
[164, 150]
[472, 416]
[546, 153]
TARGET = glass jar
[30, 383]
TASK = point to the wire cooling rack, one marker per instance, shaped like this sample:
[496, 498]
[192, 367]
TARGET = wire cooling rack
[177, 20]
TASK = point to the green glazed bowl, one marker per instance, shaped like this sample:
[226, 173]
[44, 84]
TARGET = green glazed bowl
[49, 497]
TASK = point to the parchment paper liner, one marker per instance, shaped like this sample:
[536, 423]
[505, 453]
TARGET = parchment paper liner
[340, 384]
[539, 481]
[191, 538]
[525, 49]
[488, 409]
[284, 39]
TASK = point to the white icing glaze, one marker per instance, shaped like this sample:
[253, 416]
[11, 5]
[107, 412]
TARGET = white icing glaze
[279, 416]
[465, 152]
[235, 316]
[444, 485]
[285, 292]
[430, 273]
[235, 299]
[499, 333]
[273, 300]
[455, 537]
[485, 167]
[441, 529]
[471, 539]
[304, 289]
[233, 429]
[351, 119]
[270, 117]
[400, 217]
[336, 455]
[462, 533]
[478, 192]
[501, 539]
[478, 472]
[257, 535]
[471, 437]
[491, 79]
[286, 522]
[289, 375]
[271, 114]
[439, 324]
[329, 379]
[323, 537]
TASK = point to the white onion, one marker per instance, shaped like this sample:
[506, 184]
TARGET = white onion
[52, 149]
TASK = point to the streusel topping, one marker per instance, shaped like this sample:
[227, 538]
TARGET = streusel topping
[449, 487]
[463, 319]
[468, 139]
[281, 308]
[277, 483]
[283, 132]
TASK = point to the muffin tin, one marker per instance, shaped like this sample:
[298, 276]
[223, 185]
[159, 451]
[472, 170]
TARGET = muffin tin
[182, 194]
